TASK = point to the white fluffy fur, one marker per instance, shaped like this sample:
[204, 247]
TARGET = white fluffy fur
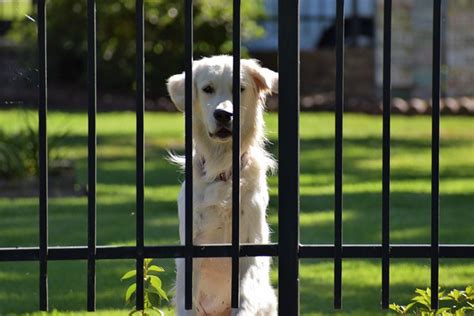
[212, 198]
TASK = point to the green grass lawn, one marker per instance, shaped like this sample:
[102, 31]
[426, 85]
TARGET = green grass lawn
[410, 217]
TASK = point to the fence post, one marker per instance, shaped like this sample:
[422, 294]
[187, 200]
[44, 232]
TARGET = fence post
[188, 64]
[288, 133]
[435, 152]
[235, 295]
[92, 152]
[387, 86]
[140, 150]
[43, 157]
[338, 173]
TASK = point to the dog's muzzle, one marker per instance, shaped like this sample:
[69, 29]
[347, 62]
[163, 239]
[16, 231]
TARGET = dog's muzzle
[223, 119]
[222, 133]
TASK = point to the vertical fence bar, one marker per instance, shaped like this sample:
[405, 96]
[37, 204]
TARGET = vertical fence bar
[235, 154]
[140, 168]
[43, 157]
[387, 100]
[188, 100]
[338, 154]
[92, 155]
[435, 153]
[288, 151]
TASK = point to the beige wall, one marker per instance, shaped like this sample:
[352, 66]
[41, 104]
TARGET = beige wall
[412, 47]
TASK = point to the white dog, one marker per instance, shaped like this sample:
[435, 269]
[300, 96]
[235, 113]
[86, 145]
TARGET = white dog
[212, 187]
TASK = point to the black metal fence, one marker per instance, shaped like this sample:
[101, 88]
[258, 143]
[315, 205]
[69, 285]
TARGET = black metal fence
[289, 250]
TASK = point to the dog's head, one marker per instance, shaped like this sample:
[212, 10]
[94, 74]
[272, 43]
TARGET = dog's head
[212, 93]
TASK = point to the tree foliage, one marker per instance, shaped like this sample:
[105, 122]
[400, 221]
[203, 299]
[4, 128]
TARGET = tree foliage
[164, 38]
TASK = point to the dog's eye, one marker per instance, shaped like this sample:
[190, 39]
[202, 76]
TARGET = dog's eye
[242, 89]
[208, 89]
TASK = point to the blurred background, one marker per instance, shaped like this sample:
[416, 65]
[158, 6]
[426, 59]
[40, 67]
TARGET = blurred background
[164, 130]
[411, 51]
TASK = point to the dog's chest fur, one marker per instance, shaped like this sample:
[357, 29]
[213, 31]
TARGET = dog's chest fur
[213, 205]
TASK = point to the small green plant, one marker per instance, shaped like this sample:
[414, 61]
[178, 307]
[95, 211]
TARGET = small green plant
[455, 303]
[153, 290]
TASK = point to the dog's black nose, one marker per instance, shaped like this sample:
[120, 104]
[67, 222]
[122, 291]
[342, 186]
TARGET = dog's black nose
[222, 116]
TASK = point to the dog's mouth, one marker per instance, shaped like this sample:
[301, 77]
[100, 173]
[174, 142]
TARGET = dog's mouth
[221, 133]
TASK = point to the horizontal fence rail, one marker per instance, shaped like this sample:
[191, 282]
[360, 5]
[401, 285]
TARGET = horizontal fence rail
[319, 251]
[289, 250]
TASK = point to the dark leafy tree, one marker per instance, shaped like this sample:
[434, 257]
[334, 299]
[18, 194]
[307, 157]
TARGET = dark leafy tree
[164, 38]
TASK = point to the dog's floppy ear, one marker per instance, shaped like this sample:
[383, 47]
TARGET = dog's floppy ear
[265, 79]
[175, 87]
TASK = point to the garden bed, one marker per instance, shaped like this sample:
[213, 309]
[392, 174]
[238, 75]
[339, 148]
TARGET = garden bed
[61, 183]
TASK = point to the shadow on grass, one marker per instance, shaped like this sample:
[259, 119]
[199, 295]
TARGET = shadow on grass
[116, 217]
[68, 224]
[410, 218]
[67, 285]
[317, 157]
[361, 292]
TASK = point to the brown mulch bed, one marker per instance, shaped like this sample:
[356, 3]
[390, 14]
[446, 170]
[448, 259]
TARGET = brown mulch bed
[62, 182]
[71, 98]
[29, 187]
[412, 106]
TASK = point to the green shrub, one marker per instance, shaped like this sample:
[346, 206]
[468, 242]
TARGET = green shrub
[19, 152]
[456, 303]
[153, 289]
[11, 163]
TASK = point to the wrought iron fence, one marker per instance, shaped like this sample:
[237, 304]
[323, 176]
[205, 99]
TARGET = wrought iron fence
[289, 250]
